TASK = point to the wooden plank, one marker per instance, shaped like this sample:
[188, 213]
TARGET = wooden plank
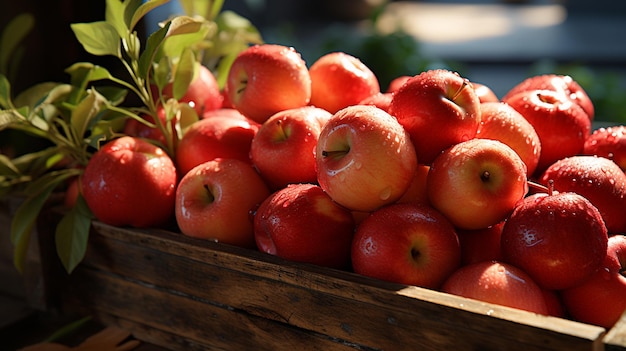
[615, 339]
[339, 304]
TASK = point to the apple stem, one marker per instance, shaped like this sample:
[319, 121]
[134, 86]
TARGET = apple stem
[546, 189]
[465, 84]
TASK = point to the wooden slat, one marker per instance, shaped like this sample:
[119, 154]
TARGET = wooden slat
[615, 339]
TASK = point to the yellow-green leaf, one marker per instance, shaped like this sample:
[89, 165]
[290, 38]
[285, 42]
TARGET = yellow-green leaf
[184, 73]
[141, 11]
[114, 15]
[72, 234]
[97, 38]
[85, 111]
[14, 32]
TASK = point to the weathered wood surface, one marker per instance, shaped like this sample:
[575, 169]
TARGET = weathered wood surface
[186, 294]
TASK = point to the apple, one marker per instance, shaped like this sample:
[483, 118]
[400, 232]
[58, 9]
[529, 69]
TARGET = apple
[417, 191]
[216, 201]
[499, 121]
[283, 150]
[598, 179]
[479, 245]
[609, 142]
[130, 182]
[617, 251]
[559, 239]
[339, 80]
[203, 93]
[225, 112]
[216, 137]
[484, 92]
[562, 125]
[380, 100]
[498, 283]
[364, 158]
[396, 83]
[438, 108]
[301, 223]
[408, 243]
[477, 183]
[562, 84]
[267, 78]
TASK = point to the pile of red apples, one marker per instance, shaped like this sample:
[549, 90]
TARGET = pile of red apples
[433, 182]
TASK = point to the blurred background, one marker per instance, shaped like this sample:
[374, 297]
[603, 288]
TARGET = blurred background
[494, 42]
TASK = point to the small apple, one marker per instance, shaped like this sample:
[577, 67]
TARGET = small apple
[497, 283]
[438, 108]
[562, 84]
[598, 179]
[203, 93]
[617, 251]
[380, 100]
[609, 142]
[397, 82]
[407, 243]
[560, 239]
[562, 125]
[484, 92]
[215, 137]
[130, 181]
[364, 158]
[499, 121]
[339, 80]
[479, 245]
[283, 150]
[215, 201]
[267, 78]
[301, 223]
[225, 112]
[417, 191]
[477, 183]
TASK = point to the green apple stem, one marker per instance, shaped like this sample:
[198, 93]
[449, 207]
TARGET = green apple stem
[543, 188]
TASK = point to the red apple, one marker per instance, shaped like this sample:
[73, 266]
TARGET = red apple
[216, 137]
[598, 179]
[617, 252]
[609, 142]
[339, 80]
[477, 183]
[480, 245]
[380, 100]
[216, 199]
[560, 240]
[396, 83]
[301, 223]
[225, 112]
[180, 118]
[438, 108]
[408, 244]
[130, 181]
[364, 158]
[501, 122]
[266, 79]
[562, 84]
[203, 93]
[562, 125]
[497, 283]
[417, 191]
[484, 92]
[283, 150]
[599, 300]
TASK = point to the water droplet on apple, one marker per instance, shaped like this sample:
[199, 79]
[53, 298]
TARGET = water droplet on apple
[385, 194]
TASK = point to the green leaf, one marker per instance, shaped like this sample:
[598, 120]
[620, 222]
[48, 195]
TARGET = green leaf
[81, 72]
[72, 234]
[174, 45]
[85, 111]
[5, 93]
[97, 38]
[162, 73]
[184, 73]
[14, 32]
[114, 15]
[7, 168]
[149, 53]
[142, 10]
[36, 93]
[9, 118]
[26, 215]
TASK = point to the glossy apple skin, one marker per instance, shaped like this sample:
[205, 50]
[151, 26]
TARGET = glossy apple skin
[560, 240]
[548, 112]
[396, 83]
[497, 283]
[203, 93]
[283, 150]
[216, 137]
[380, 100]
[609, 142]
[216, 201]
[417, 191]
[501, 122]
[480, 245]
[438, 108]
[407, 243]
[364, 158]
[598, 179]
[268, 78]
[339, 80]
[301, 223]
[130, 182]
[562, 84]
[484, 92]
[477, 183]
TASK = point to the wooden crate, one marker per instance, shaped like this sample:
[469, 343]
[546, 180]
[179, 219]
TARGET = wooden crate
[187, 294]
